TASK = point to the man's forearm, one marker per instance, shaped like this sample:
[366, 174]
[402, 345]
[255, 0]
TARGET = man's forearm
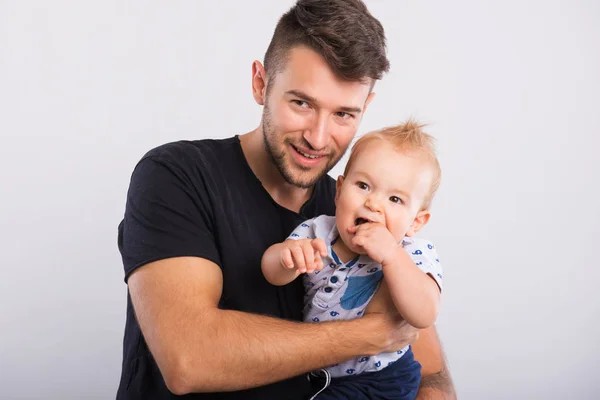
[437, 386]
[238, 350]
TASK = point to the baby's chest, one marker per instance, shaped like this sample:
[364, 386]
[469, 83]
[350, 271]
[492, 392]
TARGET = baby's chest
[339, 285]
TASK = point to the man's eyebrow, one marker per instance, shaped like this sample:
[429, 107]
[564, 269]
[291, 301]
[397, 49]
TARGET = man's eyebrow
[310, 99]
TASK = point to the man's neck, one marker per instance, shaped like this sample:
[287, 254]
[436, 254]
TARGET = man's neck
[260, 162]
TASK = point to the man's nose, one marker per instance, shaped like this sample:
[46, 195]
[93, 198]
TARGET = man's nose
[318, 136]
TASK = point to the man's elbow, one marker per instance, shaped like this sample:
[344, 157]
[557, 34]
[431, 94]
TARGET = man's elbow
[182, 378]
[175, 374]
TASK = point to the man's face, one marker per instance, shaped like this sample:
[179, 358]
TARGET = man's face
[310, 117]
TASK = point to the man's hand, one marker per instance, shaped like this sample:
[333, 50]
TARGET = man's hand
[304, 255]
[377, 241]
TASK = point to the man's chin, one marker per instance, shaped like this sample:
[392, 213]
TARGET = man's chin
[303, 181]
[301, 177]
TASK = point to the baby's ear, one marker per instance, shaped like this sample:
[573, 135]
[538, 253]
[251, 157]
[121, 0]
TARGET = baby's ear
[420, 220]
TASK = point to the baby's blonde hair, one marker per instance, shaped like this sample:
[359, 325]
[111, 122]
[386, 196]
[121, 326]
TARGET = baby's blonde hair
[406, 137]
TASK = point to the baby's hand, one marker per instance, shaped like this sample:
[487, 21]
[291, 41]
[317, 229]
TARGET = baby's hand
[304, 255]
[377, 241]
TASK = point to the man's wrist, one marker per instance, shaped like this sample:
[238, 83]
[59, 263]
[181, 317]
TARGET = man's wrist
[373, 332]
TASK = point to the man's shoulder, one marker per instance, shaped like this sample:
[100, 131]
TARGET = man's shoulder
[182, 151]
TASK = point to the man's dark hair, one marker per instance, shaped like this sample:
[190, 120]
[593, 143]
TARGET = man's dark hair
[343, 32]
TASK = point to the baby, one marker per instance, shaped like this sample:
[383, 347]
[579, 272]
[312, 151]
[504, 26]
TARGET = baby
[382, 201]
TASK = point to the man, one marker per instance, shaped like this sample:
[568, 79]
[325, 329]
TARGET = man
[201, 318]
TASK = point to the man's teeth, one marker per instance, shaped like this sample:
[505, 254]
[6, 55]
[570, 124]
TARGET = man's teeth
[307, 155]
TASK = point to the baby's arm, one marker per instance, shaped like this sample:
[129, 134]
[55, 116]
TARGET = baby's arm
[283, 262]
[415, 293]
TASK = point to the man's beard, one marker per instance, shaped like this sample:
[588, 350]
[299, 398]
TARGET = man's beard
[278, 158]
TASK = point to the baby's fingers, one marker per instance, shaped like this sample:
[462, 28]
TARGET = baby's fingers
[286, 259]
[318, 262]
[319, 245]
[309, 256]
[298, 256]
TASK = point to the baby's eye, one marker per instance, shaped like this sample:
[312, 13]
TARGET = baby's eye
[362, 186]
[396, 199]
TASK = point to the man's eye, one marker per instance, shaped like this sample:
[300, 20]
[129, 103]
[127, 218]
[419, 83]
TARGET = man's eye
[300, 103]
[362, 186]
[396, 199]
[344, 115]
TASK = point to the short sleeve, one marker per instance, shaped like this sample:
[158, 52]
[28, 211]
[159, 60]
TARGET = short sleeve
[306, 230]
[424, 255]
[166, 215]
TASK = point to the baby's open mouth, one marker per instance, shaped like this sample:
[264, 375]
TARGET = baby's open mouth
[360, 221]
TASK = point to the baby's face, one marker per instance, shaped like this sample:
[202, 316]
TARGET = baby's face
[383, 185]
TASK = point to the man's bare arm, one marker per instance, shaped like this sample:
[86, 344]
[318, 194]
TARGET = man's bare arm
[436, 382]
[201, 348]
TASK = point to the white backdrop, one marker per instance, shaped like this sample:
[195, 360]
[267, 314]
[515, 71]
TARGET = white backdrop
[511, 91]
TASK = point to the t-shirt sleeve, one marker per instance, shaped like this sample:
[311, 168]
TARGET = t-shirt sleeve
[424, 255]
[167, 215]
[305, 230]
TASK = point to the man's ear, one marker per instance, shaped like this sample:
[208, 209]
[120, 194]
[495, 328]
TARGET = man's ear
[420, 220]
[338, 186]
[368, 101]
[259, 83]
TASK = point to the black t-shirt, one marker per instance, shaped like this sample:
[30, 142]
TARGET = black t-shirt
[200, 198]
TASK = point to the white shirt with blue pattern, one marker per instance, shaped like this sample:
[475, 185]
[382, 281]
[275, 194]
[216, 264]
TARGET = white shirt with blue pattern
[343, 290]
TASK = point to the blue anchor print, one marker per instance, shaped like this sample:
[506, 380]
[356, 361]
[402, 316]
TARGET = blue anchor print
[429, 246]
[372, 270]
[399, 352]
[315, 319]
[363, 359]
[304, 225]
[359, 313]
[294, 235]
[350, 371]
[420, 263]
[361, 265]
[378, 364]
[334, 313]
[417, 253]
[437, 260]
